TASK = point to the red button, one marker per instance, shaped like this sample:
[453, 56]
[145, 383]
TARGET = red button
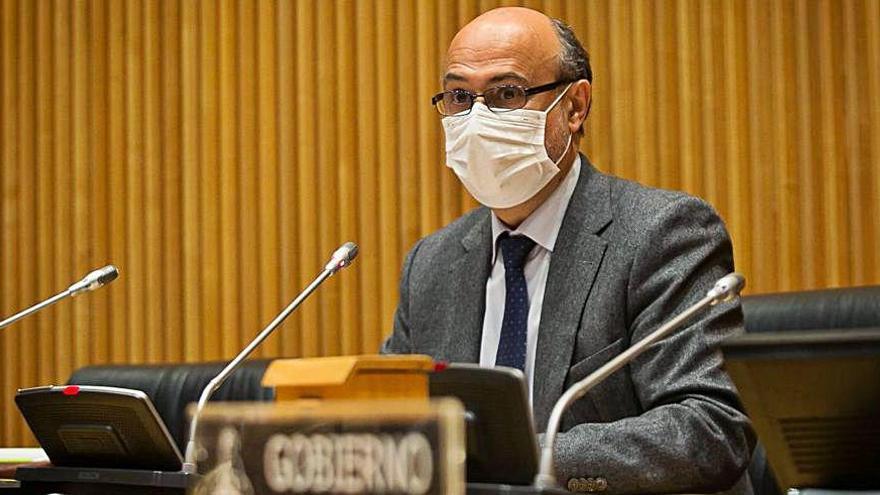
[70, 390]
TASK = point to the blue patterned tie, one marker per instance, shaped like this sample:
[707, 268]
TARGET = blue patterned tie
[514, 327]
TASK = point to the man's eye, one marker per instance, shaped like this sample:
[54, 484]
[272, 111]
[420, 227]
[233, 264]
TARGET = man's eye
[460, 97]
[507, 93]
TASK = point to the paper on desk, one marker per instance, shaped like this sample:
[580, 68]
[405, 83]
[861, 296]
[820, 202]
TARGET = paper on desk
[22, 456]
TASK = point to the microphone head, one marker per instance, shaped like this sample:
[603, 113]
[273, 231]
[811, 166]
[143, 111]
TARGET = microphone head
[95, 279]
[342, 257]
[106, 275]
[727, 287]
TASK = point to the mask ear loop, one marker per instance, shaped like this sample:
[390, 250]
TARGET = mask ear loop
[558, 98]
[568, 144]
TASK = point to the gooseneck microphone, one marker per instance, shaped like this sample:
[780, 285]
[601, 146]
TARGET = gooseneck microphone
[93, 280]
[340, 259]
[725, 289]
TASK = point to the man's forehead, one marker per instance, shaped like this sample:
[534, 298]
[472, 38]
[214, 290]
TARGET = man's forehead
[491, 70]
[503, 44]
[489, 75]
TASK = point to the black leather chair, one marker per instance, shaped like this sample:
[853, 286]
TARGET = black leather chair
[828, 309]
[171, 387]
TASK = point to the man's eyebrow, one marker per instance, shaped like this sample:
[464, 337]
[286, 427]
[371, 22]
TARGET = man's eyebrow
[452, 76]
[507, 76]
[504, 76]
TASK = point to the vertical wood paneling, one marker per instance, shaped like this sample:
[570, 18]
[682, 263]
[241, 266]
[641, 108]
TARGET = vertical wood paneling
[81, 171]
[426, 158]
[620, 77]
[99, 172]
[390, 206]
[644, 88]
[833, 176]
[117, 203]
[45, 200]
[219, 150]
[347, 171]
[134, 178]
[688, 82]
[189, 68]
[407, 130]
[812, 260]
[27, 181]
[230, 209]
[249, 278]
[9, 298]
[63, 218]
[267, 180]
[328, 337]
[172, 247]
[209, 182]
[858, 176]
[154, 320]
[736, 133]
[368, 197]
[668, 101]
[760, 116]
[782, 97]
[307, 187]
[287, 158]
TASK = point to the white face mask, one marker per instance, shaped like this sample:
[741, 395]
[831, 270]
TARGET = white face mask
[500, 157]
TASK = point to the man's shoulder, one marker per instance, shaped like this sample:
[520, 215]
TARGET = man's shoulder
[457, 230]
[445, 244]
[638, 206]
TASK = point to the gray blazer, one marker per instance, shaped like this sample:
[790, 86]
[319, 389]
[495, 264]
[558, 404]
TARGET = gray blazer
[627, 259]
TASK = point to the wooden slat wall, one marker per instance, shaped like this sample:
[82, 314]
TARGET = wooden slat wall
[219, 150]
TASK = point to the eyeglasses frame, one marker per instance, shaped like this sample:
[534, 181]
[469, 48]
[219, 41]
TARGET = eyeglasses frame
[528, 93]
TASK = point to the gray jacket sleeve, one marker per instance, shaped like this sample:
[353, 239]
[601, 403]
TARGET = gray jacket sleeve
[692, 434]
[399, 341]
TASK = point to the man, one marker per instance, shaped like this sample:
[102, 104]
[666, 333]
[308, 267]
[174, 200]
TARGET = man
[566, 267]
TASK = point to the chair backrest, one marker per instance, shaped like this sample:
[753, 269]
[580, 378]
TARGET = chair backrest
[172, 387]
[827, 309]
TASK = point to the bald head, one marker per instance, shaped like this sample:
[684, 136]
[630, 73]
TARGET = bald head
[513, 45]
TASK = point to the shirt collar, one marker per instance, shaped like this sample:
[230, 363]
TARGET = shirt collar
[543, 225]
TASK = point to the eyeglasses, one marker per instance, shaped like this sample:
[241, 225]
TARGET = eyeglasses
[458, 102]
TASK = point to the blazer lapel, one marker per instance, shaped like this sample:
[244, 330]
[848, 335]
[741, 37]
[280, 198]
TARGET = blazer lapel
[573, 267]
[468, 275]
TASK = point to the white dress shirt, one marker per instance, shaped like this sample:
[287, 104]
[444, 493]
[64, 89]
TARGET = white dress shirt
[542, 226]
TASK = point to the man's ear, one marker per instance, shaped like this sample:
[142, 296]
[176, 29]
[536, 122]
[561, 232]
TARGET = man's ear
[581, 96]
